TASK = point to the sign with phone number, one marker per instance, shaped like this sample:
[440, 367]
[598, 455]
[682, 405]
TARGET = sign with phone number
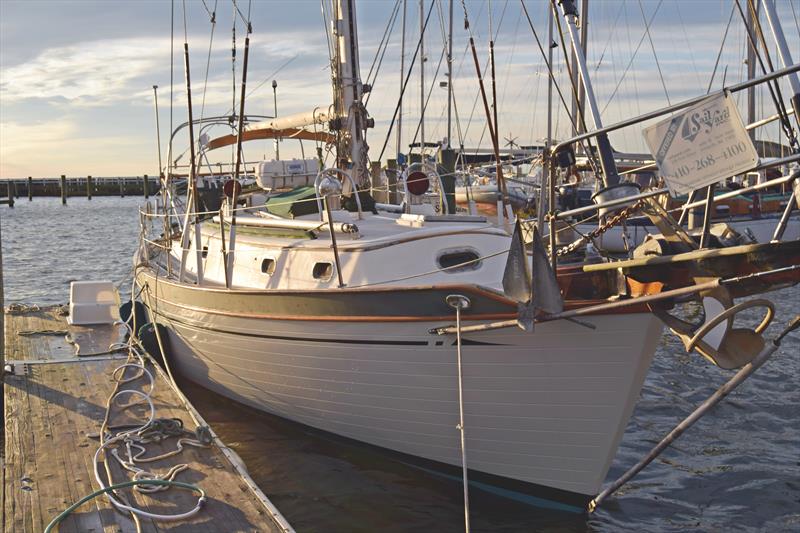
[701, 145]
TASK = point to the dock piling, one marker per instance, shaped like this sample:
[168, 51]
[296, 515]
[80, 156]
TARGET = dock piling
[63, 189]
[391, 181]
[30, 189]
[9, 193]
[121, 187]
[145, 186]
[2, 303]
[88, 187]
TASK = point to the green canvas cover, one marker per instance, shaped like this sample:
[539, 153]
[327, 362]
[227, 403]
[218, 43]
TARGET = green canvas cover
[294, 203]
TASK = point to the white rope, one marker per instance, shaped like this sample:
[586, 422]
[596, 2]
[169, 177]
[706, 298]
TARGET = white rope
[132, 438]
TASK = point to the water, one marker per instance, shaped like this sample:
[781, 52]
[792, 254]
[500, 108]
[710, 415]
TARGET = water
[737, 469]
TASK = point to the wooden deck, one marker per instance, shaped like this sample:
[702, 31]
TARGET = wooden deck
[54, 405]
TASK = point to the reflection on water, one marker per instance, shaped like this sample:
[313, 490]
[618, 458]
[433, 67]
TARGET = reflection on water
[736, 469]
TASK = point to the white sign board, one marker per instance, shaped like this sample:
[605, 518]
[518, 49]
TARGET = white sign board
[701, 145]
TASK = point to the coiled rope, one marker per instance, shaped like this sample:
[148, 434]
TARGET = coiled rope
[133, 441]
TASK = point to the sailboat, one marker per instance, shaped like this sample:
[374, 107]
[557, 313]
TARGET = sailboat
[335, 311]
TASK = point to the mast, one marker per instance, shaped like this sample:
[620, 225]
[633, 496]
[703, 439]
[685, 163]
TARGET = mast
[450, 79]
[422, 80]
[543, 186]
[402, 81]
[783, 51]
[498, 162]
[192, 200]
[548, 175]
[352, 120]
[752, 10]
[579, 101]
[607, 163]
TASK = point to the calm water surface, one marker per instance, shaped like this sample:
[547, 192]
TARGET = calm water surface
[737, 469]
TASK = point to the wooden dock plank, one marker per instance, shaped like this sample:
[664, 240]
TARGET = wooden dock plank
[36, 346]
[51, 412]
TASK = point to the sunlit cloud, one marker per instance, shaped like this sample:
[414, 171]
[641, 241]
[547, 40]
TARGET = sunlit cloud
[88, 73]
[64, 147]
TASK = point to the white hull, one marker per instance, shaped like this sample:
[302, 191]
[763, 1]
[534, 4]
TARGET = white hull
[547, 408]
[762, 229]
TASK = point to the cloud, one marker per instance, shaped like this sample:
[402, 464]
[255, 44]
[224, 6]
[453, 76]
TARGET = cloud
[87, 73]
[103, 72]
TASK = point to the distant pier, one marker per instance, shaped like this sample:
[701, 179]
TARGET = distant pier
[13, 190]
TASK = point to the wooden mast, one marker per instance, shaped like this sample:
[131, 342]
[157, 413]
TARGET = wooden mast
[192, 200]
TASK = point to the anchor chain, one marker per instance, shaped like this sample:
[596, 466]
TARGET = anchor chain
[607, 225]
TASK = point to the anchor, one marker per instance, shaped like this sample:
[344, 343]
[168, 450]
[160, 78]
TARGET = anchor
[533, 286]
[716, 338]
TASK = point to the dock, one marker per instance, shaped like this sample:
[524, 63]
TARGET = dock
[54, 405]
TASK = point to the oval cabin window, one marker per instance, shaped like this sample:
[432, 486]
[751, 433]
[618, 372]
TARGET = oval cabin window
[268, 266]
[459, 260]
[322, 271]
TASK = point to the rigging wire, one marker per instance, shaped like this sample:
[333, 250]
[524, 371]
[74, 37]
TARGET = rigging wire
[510, 58]
[794, 15]
[611, 36]
[171, 77]
[721, 48]
[386, 34]
[653, 48]
[405, 84]
[233, 78]
[246, 21]
[774, 90]
[213, 16]
[387, 30]
[485, 68]
[631, 83]
[550, 67]
[627, 68]
[688, 44]
[428, 98]
[210, 13]
[581, 116]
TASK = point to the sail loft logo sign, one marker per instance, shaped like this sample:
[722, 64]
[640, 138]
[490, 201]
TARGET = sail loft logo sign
[704, 120]
[701, 145]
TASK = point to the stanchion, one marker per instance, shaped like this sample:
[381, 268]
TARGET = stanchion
[459, 302]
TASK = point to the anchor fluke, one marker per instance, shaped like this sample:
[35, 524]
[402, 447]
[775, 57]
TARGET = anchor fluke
[532, 285]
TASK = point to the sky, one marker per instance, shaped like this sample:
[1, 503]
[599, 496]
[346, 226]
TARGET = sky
[76, 77]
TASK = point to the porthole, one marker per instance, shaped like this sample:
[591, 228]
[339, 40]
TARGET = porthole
[459, 260]
[322, 271]
[268, 266]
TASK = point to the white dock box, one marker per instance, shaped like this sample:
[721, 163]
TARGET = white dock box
[93, 302]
